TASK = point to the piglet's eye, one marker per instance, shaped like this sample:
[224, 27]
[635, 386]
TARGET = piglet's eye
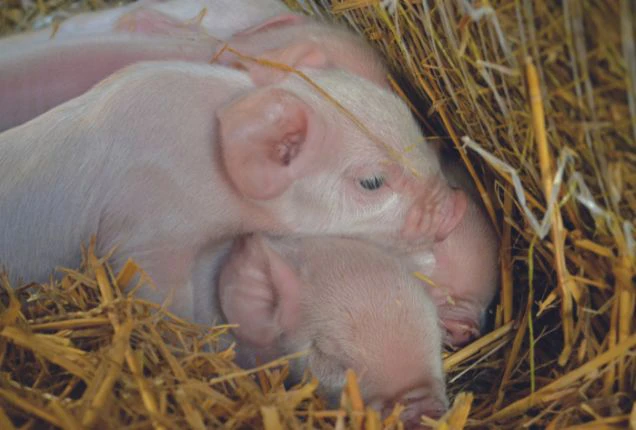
[372, 183]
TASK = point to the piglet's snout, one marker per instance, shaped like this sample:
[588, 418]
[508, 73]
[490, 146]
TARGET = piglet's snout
[435, 216]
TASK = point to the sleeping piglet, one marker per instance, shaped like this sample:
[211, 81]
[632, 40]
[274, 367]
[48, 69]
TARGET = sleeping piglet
[349, 306]
[165, 159]
[463, 267]
[42, 69]
[222, 18]
[90, 46]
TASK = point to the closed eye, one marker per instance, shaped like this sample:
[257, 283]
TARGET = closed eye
[372, 183]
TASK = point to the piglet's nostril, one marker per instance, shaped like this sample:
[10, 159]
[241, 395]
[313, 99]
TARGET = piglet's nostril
[418, 404]
[385, 408]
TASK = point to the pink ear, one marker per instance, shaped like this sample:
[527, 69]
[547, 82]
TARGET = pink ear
[293, 56]
[277, 21]
[296, 55]
[259, 291]
[262, 134]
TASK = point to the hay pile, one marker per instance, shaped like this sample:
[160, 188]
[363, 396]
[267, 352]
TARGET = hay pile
[538, 98]
[81, 354]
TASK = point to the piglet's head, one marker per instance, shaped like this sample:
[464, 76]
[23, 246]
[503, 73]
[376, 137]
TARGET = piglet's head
[349, 306]
[342, 164]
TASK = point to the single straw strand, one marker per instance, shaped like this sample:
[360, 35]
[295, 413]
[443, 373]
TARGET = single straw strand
[566, 285]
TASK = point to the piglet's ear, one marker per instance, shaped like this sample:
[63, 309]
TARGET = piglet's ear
[293, 55]
[277, 21]
[296, 55]
[262, 135]
[259, 291]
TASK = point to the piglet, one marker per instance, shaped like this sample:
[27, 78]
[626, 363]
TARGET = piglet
[164, 160]
[221, 18]
[349, 306]
[39, 73]
[463, 267]
[41, 69]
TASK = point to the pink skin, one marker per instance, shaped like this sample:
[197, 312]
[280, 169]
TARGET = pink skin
[220, 18]
[349, 305]
[36, 79]
[38, 73]
[165, 160]
[158, 30]
[463, 267]
[98, 44]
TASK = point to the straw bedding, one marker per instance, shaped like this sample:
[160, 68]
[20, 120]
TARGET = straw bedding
[538, 100]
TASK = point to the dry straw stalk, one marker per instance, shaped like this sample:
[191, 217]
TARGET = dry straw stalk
[538, 100]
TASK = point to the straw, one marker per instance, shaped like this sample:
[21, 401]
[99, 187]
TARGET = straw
[538, 100]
